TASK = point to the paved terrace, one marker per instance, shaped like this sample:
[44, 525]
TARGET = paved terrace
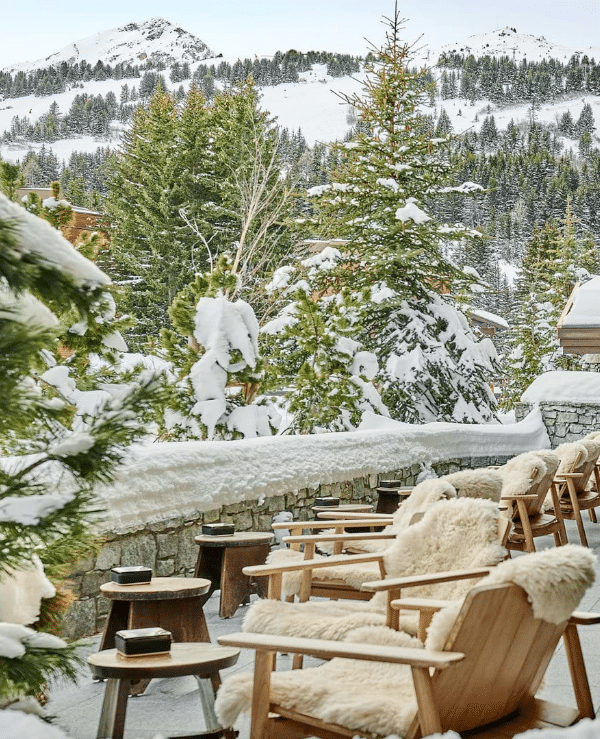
[172, 706]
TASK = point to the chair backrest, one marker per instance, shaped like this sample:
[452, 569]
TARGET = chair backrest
[573, 458]
[478, 483]
[453, 534]
[526, 474]
[507, 652]
[587, 467]
[508, 628]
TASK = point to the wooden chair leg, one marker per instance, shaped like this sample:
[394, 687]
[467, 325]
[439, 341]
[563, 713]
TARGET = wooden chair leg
[577, 513]
[581, 686]
[526, 524]
[558, 514]
[297, 661]
[114, 708]
[592, 515]
[261, 695]
[429, 718]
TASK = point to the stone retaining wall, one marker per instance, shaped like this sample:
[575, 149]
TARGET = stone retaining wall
[168, 547]
[565, 422]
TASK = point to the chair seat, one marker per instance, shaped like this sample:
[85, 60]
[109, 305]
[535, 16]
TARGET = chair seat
[542, 523]
[587, 499]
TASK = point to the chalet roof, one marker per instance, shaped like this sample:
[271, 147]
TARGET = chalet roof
[491, 319]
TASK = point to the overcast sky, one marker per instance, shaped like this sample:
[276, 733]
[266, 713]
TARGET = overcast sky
[247, 27]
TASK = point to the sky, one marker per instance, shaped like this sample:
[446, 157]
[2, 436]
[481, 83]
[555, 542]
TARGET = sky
[248, 27]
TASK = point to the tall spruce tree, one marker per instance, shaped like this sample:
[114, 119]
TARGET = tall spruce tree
[179, 196]
[432, 368]
[311, 347]
[555, 260]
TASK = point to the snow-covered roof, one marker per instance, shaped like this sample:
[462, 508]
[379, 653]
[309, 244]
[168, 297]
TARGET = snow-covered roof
[585, 310]
[36, 236]
[173, 479]
[576, 387]
[488, 317]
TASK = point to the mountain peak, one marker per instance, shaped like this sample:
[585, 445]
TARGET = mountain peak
[507, 41]
[155, 39]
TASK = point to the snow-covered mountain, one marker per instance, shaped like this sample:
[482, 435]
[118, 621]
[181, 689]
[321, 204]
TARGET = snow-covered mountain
[508, 42]
[136, 43]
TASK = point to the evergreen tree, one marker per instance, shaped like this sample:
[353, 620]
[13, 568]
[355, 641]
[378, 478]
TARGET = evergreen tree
[48, 431]
[311, 347]
[194, 181]
[554, 261]
[214, 351]
[432, 368]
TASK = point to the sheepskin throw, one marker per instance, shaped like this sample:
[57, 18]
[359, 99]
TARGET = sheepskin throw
[571, 455]
[379, 698]
[521, 473]
[554, 580]
[453, 534]
[479, 483]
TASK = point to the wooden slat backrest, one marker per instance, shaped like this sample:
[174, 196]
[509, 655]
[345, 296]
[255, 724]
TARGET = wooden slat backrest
[586, 468]
[506, 652]
[541, 489]
[536, 488]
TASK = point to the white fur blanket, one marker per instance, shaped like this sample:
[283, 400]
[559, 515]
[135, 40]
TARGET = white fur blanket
[453, 534]
[379, 698]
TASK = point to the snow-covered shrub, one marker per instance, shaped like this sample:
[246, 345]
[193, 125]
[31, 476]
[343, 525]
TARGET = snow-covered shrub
[215, 356]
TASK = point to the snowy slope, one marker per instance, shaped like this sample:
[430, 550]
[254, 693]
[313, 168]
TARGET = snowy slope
[507, 42]
[310, 104]
[135, 43]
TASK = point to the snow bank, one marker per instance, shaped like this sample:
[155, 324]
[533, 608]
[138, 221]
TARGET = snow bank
[564, 387]
[585, 310]
[171, 479]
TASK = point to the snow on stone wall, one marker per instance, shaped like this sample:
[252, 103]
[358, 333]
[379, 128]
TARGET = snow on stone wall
[168, 480]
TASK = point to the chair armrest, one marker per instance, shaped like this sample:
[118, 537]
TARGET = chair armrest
[584, 618]
[311, 564]
[331, 524]
[563, 476]
[347, 515]
[420, 604]
[321, 538]
[328, 649]
[518, 497]
[425, 579]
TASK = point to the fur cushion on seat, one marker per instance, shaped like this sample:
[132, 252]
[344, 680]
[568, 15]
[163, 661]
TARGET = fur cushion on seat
[452, 534]
[522, 472]
[478, 483]
[379, 698]
[423, 495]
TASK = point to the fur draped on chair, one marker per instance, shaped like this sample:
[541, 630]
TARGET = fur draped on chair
[379, 698]
[454, 534]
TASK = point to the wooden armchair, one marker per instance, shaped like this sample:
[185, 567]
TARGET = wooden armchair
[526, 510]
[459, 533]
[579, 467]
[479, 672]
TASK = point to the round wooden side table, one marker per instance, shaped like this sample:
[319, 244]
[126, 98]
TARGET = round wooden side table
[203, 661]
[175, 603]
[221, 559]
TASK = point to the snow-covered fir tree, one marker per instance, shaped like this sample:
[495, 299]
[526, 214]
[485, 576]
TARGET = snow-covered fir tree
[431, 365]
[56, 440]
[313, 352]
[196, 179]
[218, 368]
[555, 260]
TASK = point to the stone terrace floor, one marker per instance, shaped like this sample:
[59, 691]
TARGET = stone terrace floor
[171, 707]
